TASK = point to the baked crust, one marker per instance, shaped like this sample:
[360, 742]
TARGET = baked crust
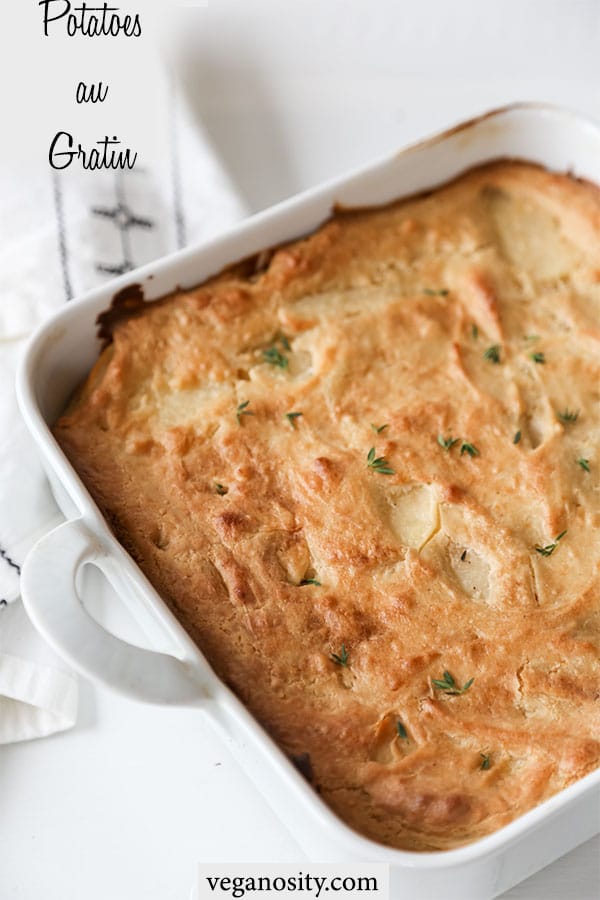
[382, 318]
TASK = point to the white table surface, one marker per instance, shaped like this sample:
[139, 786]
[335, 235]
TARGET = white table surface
[127, 803]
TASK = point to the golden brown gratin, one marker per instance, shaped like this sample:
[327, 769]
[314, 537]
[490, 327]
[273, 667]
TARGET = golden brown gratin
[364, 476]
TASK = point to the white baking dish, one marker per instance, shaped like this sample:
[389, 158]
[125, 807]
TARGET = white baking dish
[61, 353]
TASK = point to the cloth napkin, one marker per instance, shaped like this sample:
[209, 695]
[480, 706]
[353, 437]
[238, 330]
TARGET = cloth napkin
[62, 233]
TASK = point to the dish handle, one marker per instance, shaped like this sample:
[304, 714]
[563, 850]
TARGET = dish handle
[50, 596]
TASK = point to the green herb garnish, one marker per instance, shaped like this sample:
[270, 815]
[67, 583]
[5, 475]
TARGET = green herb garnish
[538, 358]
[291, 417]
[485, 761]
[568, 416]
[517, 437]
[549, 549]
[275, 357]
[402, 732]
[474, 332]
[463, 556]
[243, 410]
[220, 489]
[280, 336]
[492, 354]
[341, 658]
[379, 428]
[532, 337]
[584, 463]
[471, 449]
[448, 685]
[378, 463]
[446, 443]
[310, 581]
[436, 293]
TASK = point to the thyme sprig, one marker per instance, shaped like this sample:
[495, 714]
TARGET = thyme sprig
[568, 416]
[448, 685]
[549, 549]
[341, 658]
[471, 449]
[243, 410]
[446, 443]
[492, 354]
[275, 357]
[281, 338]
[378, 463]
[401, 730]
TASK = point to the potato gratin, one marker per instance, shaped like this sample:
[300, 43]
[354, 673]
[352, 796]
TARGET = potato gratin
[362, 470]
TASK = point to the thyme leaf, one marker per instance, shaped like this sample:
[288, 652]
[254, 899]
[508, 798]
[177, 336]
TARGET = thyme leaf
[275, 357]
[548, 550]
[584, 463]
[471, 449]
[310, 581]
[568, 416]
[443, 292]
[341, 658]
[379, 428]
[446, 443]
[291, 417]
[474, 332]
[517, 437]
[220, 489]
[538, 358]
[402, 732]
[485, 761]
[492, 354]
[280, 336]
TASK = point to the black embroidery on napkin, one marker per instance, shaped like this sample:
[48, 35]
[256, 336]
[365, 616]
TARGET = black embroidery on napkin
[9, 561]
[59, 211]
[176, 181]
[123, 218]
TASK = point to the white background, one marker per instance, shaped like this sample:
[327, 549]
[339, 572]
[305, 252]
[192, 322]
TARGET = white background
[126, 804]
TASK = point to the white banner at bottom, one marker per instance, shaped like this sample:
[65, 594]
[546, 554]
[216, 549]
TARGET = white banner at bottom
[243, 881]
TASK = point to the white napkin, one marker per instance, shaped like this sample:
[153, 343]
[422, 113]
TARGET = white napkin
[62, 233]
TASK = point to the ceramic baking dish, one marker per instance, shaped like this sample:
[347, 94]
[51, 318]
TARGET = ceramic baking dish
[58, 357]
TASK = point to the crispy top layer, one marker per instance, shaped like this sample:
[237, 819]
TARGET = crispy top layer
[372, 463]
